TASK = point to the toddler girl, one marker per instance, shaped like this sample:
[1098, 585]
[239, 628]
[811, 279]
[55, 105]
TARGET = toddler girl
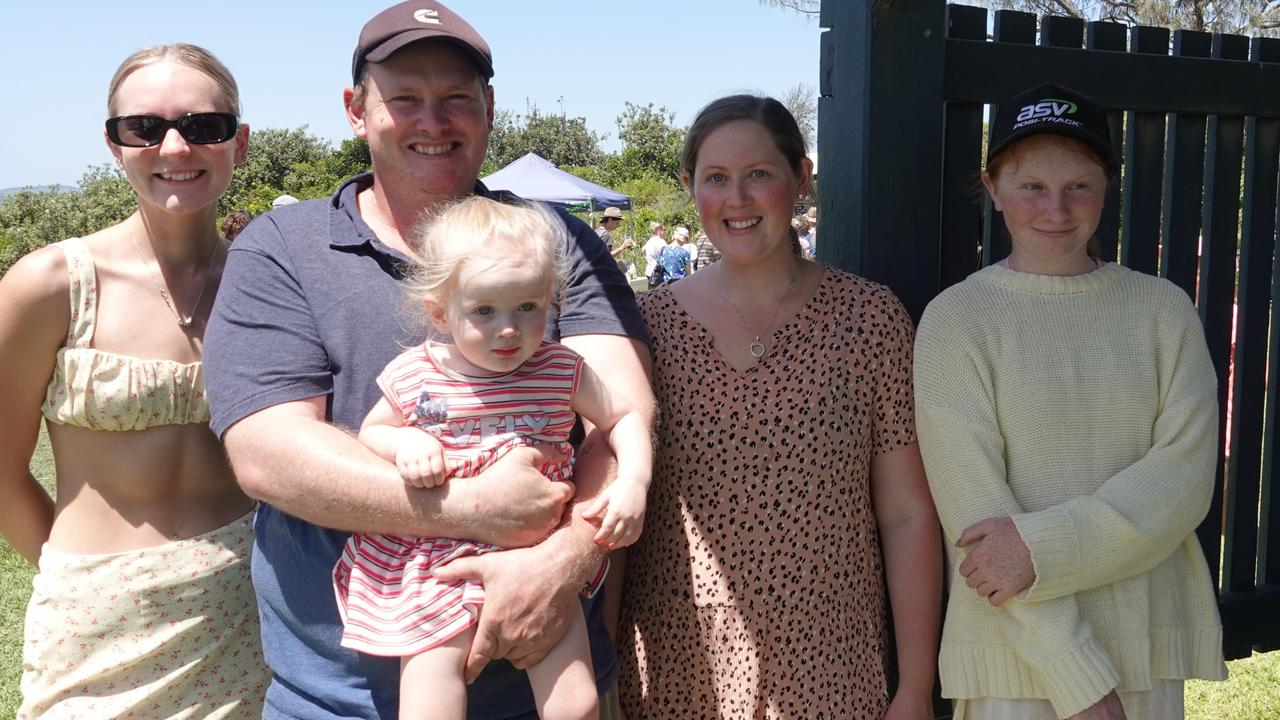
[450, 408]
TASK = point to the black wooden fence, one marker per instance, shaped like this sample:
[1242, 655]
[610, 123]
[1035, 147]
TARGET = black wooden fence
[902, 93]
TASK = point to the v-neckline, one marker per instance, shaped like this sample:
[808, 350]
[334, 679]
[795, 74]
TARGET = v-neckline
[775, 338]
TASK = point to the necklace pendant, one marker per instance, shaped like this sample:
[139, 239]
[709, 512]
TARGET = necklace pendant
[185, 322]
[757, 349]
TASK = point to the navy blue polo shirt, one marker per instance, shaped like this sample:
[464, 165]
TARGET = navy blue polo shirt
[311, 305]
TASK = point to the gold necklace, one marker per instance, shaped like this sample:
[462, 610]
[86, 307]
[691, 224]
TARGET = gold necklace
[756, 348]
[183, 322]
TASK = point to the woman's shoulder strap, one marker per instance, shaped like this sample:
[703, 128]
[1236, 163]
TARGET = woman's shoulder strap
[84, 291]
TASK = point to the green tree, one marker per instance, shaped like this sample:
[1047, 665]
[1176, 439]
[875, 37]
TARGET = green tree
[273, 154]
[561, 140]
[1246, 17]
[30, 219]
[651, 143]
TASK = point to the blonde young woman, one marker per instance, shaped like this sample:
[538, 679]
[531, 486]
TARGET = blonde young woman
[787, 483]
[143, 604]
[1068, 422]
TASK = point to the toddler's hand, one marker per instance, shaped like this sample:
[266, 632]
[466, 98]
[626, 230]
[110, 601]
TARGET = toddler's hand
[620, 513]
[420, 459]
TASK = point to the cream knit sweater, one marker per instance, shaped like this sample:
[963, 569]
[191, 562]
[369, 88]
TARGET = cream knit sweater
[1085, 408]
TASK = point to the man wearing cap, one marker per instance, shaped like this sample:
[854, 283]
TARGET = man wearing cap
[307, 316]
[610, 220]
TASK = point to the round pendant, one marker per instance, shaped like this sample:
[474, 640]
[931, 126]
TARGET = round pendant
[185, 322]
[757, 349]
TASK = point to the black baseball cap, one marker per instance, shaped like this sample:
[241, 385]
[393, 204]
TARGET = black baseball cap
[409, 22]
[1055, 110]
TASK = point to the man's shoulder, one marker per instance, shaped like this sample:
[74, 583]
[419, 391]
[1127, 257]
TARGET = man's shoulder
[286, 225]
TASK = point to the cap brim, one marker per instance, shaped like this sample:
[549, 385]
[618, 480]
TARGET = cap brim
[391, 45]
[1075, 133]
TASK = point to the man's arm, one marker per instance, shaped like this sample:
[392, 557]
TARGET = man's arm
[289, 456]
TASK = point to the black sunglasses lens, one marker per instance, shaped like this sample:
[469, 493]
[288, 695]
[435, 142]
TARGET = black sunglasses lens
[207, 128]
[139, 130]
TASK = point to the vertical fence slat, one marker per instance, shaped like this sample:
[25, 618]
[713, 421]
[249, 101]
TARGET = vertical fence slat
[1217, 268]
[961, 163]
[1267, 50]
[1109, 36]
[1143, 168]
[1257, 242]
[1183, 186]
[1009, 26]
[1058, 31]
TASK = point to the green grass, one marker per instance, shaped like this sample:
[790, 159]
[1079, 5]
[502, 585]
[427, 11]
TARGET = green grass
[1251, 693]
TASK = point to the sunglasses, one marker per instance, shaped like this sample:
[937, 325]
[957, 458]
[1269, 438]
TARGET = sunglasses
[202, 128]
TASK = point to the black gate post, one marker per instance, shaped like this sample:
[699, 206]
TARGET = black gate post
[880, 135]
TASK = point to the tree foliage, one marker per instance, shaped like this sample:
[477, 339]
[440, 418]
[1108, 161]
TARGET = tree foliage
[31, 219]
[651, 143]
[273, 155]
[559, 139]
[802, 100]
[806, 7]
[1245, 17]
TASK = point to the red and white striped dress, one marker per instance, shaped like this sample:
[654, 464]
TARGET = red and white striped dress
[388, 597]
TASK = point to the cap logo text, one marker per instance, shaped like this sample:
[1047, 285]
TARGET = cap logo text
[430, 17]
[1046, 108]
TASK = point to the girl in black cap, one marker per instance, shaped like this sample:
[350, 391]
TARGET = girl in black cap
[1068, 422]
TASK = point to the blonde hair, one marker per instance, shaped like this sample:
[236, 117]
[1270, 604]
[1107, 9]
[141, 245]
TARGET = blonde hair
[477, 228]
[193, 56]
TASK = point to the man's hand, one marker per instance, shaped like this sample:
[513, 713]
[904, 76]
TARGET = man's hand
[999, 566]
[525, 614]
[525, 506]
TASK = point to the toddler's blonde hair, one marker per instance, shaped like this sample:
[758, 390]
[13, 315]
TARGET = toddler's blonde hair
[478, 229]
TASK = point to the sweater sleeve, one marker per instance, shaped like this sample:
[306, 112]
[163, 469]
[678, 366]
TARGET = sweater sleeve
[963, 452]
[1144, 512]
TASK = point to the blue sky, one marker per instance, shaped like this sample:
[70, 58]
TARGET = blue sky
[292, 60]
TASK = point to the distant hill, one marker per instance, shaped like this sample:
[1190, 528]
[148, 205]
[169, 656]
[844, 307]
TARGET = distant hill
[36, 188]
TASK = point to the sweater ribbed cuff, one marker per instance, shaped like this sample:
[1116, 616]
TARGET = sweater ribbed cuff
[1055, 553]
[1078, 679]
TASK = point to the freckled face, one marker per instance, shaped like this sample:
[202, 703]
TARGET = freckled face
[1051, 192]
[745, 190]
[496, 313]
[175, 175]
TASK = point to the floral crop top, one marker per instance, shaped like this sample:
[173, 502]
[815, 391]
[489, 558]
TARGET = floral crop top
[101, 390]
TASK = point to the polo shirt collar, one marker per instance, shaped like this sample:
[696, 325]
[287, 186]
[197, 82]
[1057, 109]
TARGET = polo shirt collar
[344, 215]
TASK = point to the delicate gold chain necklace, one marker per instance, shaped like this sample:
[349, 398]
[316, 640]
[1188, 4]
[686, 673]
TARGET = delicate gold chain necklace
[183, 322]
[756, 348]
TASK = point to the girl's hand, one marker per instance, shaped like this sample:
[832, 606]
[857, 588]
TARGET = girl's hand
[620, 513]
[1108, 708]
[420, 459]
[998, 564]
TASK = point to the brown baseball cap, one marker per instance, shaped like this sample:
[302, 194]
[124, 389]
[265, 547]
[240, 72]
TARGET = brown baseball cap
[409, 22]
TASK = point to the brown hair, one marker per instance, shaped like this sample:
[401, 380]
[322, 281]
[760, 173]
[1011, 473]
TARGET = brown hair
[234, 223]
[193, 56]
[770, 114]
